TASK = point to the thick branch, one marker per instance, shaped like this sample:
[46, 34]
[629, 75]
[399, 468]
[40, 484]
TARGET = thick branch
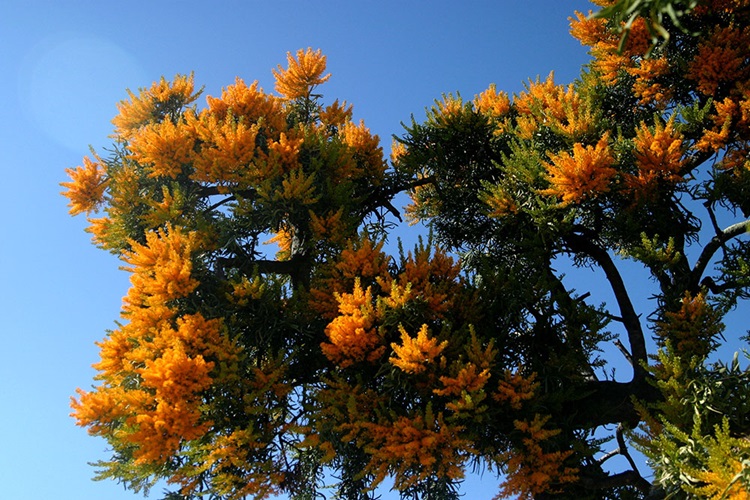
[578, 243]
[626, 478]
[713, 246]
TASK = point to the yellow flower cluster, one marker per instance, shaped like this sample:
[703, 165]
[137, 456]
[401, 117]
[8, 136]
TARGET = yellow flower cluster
[721, 478]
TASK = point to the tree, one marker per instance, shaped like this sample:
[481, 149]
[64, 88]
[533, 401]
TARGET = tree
[235, 374]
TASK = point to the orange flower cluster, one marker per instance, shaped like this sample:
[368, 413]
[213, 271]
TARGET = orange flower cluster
[692, 328]
[416, 352]
[355, 334]
[86, 188]
[560, 108]
[172, 364]
[248, 104]
[228, 150]
[731, 122]
[433, 276]
[467, 388]
[647, 86]
[352, 335]
[582, 175]
[152, 105]
[721, 59]
[659, 157]
[492, 102]
[514, 388]
[531, 470]
[414, 449]
[155, 367]
[162, 267]
[366, 149]
[303, 74]
[612, 64]
[336, 114]
[165, 146]
[363, 260]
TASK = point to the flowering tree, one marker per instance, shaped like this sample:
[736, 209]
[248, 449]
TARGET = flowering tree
[235, 374]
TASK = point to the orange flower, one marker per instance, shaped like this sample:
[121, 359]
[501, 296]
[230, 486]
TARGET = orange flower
[716, 138]
[336, 114]
[227, 152]
[86, 189]
[416, 352]
[352, 335]
[166, 147]
[285, 151]
[161, 267]
[304, 73]
[366, 148]
[530, 469]
[361, 259]
[589, 30]
[555, 106]
[645, 87]
[584, 174]
[414, 449]
[514, 389]
[720, 59]
[248, 103]
[658, 155]
[492, 102]
[151, 104]
[468, 379]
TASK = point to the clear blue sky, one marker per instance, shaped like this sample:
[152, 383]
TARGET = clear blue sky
[64, 65]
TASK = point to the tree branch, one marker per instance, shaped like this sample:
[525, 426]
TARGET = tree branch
[628, 477]
[712, 246]
[630, 320]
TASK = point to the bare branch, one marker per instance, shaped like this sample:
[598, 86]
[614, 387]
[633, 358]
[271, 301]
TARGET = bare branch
[712, 246]
[630, 320]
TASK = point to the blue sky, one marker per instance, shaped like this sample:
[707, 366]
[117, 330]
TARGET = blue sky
[66, 64]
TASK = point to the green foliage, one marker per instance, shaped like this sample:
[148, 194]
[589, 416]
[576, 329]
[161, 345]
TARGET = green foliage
[656, 12]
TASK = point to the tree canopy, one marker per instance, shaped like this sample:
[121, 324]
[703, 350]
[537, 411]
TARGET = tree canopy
[236, 373]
